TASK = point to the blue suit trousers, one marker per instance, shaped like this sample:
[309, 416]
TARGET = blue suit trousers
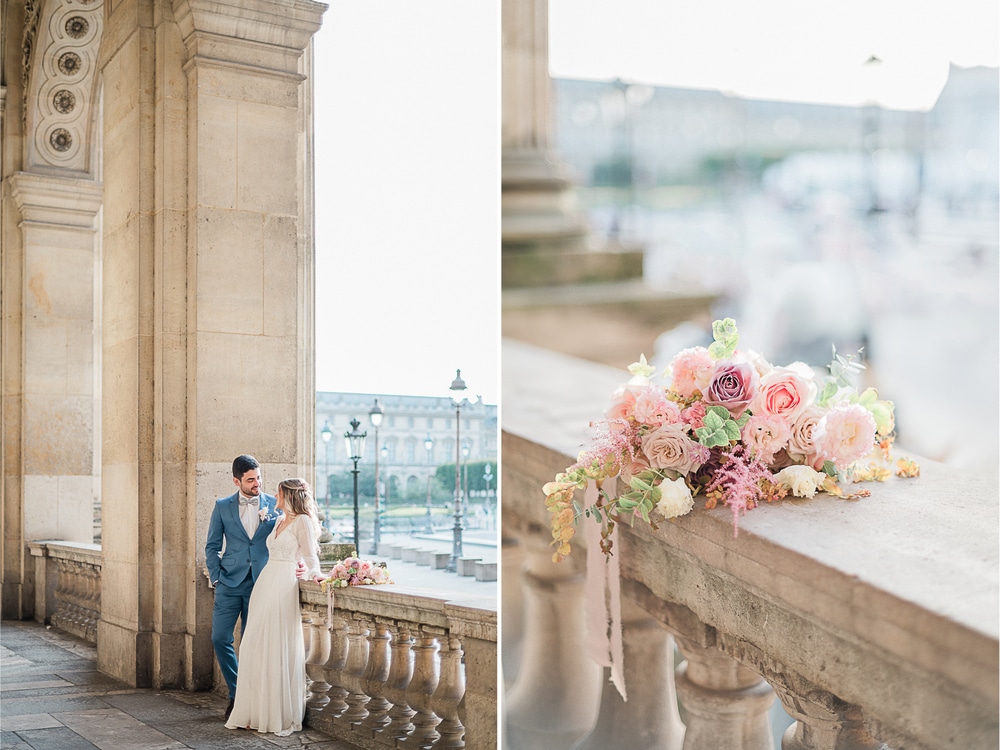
[231, 602]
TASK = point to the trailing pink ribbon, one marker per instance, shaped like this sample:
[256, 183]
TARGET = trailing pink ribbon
[603, 602]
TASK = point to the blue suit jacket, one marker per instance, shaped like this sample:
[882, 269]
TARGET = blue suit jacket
[241, 553]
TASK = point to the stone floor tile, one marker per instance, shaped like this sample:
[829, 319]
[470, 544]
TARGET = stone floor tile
[114, 728]
[29, 721]
[11, 741]
[156, 707]
[51, 705]
[58, 738]
[33, 685]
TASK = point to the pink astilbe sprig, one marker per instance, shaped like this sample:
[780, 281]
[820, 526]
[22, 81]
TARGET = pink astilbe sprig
[738, 481]
[613, 441]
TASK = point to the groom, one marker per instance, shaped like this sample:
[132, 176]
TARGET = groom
[243, 521]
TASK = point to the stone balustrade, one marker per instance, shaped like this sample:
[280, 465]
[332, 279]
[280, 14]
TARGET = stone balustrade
[391, 667]
[387, 667]
[874, 622]
[68, 586]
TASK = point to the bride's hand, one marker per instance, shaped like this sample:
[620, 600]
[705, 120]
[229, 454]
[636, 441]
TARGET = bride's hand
[319, 578]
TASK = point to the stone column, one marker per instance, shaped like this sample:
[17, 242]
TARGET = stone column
[52, 418]
[208, 349]
[538, 204]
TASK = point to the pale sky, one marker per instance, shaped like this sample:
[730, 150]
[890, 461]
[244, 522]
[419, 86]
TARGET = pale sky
[407, 142]
[777, 49]
[407, 197]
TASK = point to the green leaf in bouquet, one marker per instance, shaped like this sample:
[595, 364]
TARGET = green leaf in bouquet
[726, 338]
[830, 469]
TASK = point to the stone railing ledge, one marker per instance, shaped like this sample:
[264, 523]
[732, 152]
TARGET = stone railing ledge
[889, 602]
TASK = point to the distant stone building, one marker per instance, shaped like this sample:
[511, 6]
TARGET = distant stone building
[405, 462]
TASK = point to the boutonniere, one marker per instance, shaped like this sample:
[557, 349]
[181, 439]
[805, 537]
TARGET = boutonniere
[265, 515]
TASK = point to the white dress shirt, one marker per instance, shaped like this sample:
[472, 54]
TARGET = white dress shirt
[248, 514]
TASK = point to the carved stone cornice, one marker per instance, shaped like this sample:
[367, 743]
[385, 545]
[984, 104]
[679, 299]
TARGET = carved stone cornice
[266, 35]
[56, 201]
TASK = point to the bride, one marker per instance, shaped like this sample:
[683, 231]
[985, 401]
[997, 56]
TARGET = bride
[271, 683]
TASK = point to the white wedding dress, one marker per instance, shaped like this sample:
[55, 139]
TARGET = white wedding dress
[271, 681]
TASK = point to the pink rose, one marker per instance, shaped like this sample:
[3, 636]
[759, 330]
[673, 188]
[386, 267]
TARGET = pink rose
[652, 407]
[785, 392]
[732, 385]
[845, 434]
[689, 371]
[765, 435]
[669, 447]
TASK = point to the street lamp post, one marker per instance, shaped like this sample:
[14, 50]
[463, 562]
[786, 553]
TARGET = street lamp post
[429, 445]
[355, 442]
[327, 433]
[457, 394]
[375, 416]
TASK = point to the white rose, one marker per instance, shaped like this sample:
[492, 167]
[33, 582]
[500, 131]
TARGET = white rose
[675, 498]
[803, 481]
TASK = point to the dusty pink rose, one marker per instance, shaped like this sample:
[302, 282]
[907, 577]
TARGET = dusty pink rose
[732, 385]
[785, 392]
[844, 434]
[694, 415]
[765, 435]
[652, 407]
[689, 371]
[669, 447]
[800, 444]
[622, 404]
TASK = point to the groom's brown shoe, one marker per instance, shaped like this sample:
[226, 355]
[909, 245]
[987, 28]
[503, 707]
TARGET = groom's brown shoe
[229, 708]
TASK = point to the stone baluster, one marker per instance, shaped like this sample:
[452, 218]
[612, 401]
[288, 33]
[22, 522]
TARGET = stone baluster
[823, 721]
[93, 602]
[376, 677]
[449, 694]
[555, 696]
[354, 672]
[649, 719]
[420, 692]
[319, 654]
[335, 667]
[400, 674]
[726, 703]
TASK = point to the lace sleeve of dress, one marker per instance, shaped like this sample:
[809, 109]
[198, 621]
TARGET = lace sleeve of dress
[305, 535]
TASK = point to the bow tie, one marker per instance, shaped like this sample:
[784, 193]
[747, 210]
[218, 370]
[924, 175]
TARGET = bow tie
[248, 500]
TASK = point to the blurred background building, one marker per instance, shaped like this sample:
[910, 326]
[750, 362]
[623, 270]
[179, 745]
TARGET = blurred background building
[812, 224]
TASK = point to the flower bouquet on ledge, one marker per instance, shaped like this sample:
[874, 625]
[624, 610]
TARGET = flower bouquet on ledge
[353, 571]
[728, 426]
